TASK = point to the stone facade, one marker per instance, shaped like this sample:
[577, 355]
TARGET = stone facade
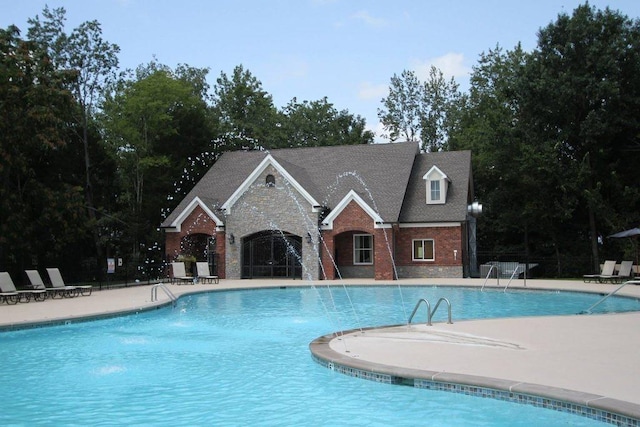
[278, 207]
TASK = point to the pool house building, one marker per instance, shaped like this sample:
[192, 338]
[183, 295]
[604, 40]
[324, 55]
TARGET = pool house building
[382, 211]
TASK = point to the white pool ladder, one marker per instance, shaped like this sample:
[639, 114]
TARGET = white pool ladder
[515, 273]
[154, 292]
[628, 282]
[489, 275]
[429, 311]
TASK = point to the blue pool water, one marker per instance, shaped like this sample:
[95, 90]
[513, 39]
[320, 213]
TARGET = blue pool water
[236, 358]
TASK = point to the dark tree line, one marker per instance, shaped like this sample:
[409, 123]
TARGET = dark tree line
[93, 158]
[555, 136]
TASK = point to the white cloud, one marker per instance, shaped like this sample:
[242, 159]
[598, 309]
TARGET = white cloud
[380, 133]
[369, 91]
[451, 65]
[368, 19]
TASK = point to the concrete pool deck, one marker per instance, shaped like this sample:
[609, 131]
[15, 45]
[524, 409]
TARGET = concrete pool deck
[587, 359]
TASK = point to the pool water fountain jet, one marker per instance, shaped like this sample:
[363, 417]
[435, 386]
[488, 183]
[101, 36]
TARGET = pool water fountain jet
[360, 180]
[312, 231]
[318, 243]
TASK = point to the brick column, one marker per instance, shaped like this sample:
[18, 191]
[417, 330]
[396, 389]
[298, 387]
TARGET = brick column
[327, 251]
[383, 252]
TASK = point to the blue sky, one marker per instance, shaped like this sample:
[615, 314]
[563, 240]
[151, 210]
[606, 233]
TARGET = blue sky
[346, 50]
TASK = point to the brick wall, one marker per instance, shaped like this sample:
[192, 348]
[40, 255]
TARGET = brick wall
[391, 245]
[197, 222]
[354, 220]
[447, 263]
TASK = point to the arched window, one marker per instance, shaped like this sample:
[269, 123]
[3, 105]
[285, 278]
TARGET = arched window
[270, 181]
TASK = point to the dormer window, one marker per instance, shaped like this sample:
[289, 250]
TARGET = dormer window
[270, 181]
[435, 191]
[437, 184]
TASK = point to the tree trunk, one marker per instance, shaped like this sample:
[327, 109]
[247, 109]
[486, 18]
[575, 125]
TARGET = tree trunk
[593, 236]
[91, 210]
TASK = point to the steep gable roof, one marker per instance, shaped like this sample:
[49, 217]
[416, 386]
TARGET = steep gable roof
[196, 201]
[266, 162]
[379, 173]
[352, 196]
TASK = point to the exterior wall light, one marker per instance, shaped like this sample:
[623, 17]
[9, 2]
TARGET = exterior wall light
[232, 239]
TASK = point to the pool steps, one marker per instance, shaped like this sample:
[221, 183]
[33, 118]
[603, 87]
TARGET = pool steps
[430, 312]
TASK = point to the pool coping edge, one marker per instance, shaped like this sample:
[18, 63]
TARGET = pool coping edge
[615, 411]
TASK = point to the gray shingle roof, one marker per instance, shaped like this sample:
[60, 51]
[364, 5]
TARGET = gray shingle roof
[384, 175]
[457, 166]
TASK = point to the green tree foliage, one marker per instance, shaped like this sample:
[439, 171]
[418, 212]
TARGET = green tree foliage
[155, 125]
[440, 101]
[315, 123]
[512, 173]
[401, 113]
[39, 203]
[421, 111]
[555, 139]
[580, 96]
[246, 116]
[94, 61]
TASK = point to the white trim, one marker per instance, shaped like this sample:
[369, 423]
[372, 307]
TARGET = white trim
[327, 223]
[430, 224]
[176, 225]
[435, 168]
[353, 243]
[443, 179]
[433, 245]
[267, 161]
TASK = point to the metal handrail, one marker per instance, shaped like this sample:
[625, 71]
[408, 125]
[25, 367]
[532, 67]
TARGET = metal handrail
[436, 307]
[429, 311]
[421, 300]
[154, 292]
[489, 274]
[628, 282]
[512, 275]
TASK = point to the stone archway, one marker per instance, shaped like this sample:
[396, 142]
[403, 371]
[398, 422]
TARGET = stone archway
[272, 254]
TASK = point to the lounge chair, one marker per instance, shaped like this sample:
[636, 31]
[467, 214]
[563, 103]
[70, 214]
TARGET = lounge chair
[37, 283]
[179, 274]
[204, 274]
[56, 282]
[9, 297]
[623, 274]
[607, 271]
[8, 288]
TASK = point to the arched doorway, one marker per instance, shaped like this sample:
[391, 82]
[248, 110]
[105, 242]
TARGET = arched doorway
[270, 254]
[199, 247]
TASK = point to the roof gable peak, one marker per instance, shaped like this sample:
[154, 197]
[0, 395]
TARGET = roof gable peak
[269, 160]
[435, 173]
[352, 196]
[177, 223]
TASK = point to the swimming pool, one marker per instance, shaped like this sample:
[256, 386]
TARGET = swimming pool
[241, 357]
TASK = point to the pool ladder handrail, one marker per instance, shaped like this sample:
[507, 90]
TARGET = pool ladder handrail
[489, 274]
[154, 293]
[430, 312]
[628, 282]
[515, 272]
